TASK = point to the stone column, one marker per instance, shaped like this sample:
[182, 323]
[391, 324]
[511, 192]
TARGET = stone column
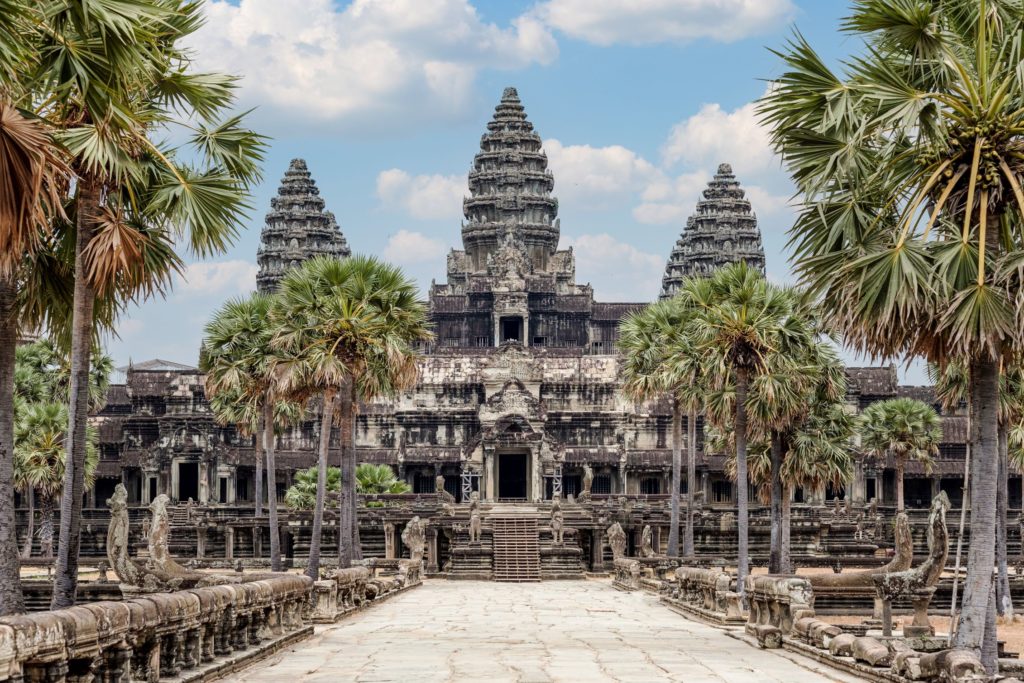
[174, 480]
[858, 485]
[257, 541]
[936, 487]
[389, 541]
[229, 543]
[201, 542]
[656, 540]
[204, 483]
[597, 550]
[433, 561]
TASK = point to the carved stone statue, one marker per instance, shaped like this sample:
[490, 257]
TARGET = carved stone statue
[617, 541]
[442, 495]
[557, 521]
[919, 582]
[130, 574]
[414, 537]
[475, 522]
[159, 533]
[588, 483]
[873, 507]
[647, 542]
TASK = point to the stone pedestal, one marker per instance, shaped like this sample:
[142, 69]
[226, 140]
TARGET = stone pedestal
[920, 626]
[432, 550]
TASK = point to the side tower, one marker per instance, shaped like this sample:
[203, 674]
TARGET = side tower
[297, 228]
[721, 231]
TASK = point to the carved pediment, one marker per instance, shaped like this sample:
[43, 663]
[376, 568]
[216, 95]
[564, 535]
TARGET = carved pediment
[514, 399]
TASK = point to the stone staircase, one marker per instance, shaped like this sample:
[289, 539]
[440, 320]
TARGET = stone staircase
[516, 548]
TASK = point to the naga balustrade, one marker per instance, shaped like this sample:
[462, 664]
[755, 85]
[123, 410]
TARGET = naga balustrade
[152, 636]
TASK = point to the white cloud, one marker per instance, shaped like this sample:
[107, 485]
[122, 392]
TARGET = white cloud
[712, 136]
[606, 22]
[406, 247]
[671, 200]
[367, 62]
[422, 196]
[620, 271]
[594, 175]
[217, 278]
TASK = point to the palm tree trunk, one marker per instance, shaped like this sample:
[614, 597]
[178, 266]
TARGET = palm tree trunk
[313, 565]
[30, 527]
[258, 499]
[346, 518]
[357, 546]
[741, 479]
[11, 599]
[46, 527]
[65, 585]
[691, 480]
[677, 466]
[787, 559]
[268, 448]
[775, 565]
[900, 467]
[984, 401]
[1004, 601]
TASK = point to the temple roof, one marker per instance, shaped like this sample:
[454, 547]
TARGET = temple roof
[722, 230]
[297, 228]
[510, 188]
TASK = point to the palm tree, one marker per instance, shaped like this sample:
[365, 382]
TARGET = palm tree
[655, 345]
[373, 479]
[740, 320]
[346, 331]
[910, 172]
[237, 358]
[111, 77]
[40, 461]
[32, 175]
[301, 495]
[903, 428]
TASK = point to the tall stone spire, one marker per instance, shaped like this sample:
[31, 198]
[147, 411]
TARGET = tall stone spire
[510, 190]
[297, 228]
[721, 231]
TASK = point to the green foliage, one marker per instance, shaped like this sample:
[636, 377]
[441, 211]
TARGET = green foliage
[906, 428]
[370, 479]
[379, 479]
[39, 453]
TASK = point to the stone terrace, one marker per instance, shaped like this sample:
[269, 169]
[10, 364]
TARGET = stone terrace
[552, 631]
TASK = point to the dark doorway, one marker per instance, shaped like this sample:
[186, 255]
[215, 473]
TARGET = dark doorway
[152, 488]
[223, 490]
[105, 489]
[512, 329]
[188, 480]
[512, 476]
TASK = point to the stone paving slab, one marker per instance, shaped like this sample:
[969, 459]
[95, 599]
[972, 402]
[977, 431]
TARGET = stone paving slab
[550, 632]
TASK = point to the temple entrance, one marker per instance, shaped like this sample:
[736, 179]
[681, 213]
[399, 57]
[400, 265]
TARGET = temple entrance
[188, 481]
[512, 476]
[512, 329]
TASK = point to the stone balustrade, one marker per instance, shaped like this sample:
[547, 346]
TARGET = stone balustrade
[627, 573]
[160, 635]
[776, 602]
[704, 592]
[347, 590]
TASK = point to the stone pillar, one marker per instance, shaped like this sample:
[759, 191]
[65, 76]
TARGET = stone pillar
[257, 541]
[204, 483]
[433, 561]
[174, 480]
[389, 541]
[229, 543]
[597, 550]
[201, 542]
[936, 487]
[857, 485]
[656, 540]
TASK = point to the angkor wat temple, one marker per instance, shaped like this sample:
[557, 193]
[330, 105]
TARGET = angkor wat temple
[520, 389]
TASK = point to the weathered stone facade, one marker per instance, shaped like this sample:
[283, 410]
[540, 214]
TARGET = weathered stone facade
[297, 227]
[520, 391]
[722, 230]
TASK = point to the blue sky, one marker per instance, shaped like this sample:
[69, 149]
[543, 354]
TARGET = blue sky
[637, 102]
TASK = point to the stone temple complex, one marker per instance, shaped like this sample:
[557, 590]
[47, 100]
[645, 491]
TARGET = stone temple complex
[518, 399]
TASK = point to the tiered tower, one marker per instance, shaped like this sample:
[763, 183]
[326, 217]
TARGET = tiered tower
[297, 228]
[723, 230]
[510, 190]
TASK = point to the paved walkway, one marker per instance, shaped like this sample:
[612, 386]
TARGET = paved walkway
[458, 631]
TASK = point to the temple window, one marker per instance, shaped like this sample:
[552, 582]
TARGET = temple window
[602, 484]
[650, 486]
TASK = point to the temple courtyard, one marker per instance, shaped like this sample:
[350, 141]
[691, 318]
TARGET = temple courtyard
[533, 632]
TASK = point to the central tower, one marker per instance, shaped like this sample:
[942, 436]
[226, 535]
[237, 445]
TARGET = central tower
[510, 190]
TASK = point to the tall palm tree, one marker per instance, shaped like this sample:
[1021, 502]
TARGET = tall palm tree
[40, 457]
[111, 77]
[32, 175]
[237, 358]
[910, 171]
[346, 331]
[655, 345]
[740, 320]
[903, 428]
